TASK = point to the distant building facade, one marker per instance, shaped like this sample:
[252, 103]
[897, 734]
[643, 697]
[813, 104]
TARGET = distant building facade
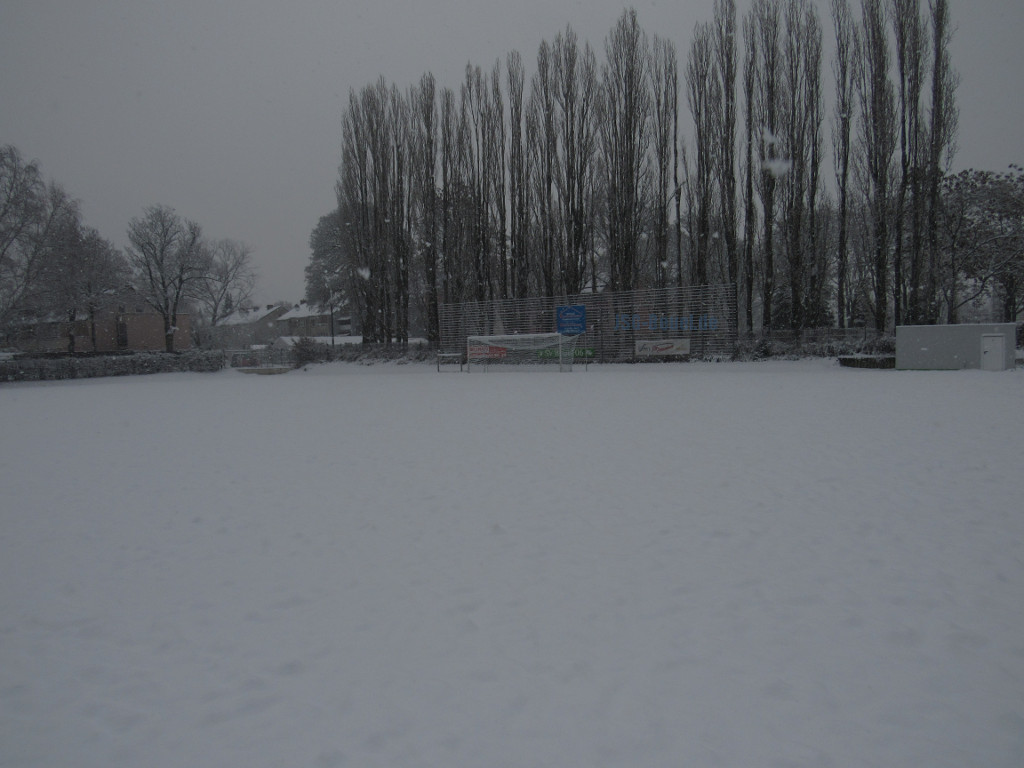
[110, 330]
[246, 327]
[305, 320]
[262, 326]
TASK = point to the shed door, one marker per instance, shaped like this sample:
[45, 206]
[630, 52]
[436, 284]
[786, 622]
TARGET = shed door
[993, 348]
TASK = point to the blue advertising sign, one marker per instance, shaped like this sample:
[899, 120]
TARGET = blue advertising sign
[572, 319]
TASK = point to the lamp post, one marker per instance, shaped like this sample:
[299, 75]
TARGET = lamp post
[330, 301]
[332, 320]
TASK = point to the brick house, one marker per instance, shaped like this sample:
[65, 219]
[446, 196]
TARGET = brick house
[116, 331]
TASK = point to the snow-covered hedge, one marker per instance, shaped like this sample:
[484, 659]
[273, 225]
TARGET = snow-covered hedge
[52, 368]
[366, 353]
[815, 343]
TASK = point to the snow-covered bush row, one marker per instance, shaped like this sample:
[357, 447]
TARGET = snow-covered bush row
[789, 344]
[45, 369]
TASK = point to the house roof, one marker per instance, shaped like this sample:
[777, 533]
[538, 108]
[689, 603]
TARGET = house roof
[303, 310]
[248, 315]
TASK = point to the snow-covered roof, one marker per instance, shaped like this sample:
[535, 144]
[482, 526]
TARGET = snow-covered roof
[249, 315]
[303, 310]
[288, 341]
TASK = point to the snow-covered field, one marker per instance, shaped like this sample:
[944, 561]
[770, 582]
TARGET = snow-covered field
[773, 564]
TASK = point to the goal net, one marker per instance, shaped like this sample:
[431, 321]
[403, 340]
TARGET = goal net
[520, 350]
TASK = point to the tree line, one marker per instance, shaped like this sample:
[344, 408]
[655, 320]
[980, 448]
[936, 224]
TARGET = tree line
[579, 178]
[53, 267]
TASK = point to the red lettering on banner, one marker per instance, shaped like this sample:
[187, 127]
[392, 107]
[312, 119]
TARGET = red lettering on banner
[486, 352]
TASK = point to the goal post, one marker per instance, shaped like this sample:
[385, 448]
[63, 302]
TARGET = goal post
[521, 349]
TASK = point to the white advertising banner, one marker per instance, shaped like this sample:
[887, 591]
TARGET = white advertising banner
[662, 347]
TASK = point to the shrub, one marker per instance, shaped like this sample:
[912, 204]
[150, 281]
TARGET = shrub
[50, 368]
[306, 351]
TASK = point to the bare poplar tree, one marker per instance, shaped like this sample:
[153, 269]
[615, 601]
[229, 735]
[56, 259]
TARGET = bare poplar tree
[476, 116]
[725, 65]
[665, 89]
[911, 40]
[451, 196]
[767, 23]
[815, 312]
[542, 138]
[704, 98]
[424, 159]
[624, 141]
[379, 138]
[366, 189]
[800, 140]
[518, 183]
[400, 214]
[352, 192]
[678, 159]
[877, 143]
[575, 76]
[843, 69]
[750, 58]
[942, 128]
[499, 180]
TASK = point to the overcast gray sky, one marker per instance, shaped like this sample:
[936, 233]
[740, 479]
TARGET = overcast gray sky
[229, 110]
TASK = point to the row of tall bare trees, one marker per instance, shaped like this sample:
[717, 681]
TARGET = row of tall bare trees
[894, 136]
[579, 178]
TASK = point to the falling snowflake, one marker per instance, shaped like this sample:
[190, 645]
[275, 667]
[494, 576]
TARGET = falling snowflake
[777, 167]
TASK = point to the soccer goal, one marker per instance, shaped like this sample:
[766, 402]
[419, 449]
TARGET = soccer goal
[520, 350]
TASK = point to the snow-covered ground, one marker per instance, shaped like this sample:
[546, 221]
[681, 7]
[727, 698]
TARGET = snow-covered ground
[766, 564]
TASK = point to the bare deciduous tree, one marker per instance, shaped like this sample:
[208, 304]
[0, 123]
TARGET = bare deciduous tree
[168, 258]
[983, 218]
[229, 280]
[38, 222]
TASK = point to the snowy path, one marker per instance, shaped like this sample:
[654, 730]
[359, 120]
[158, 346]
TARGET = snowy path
[775, 564]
